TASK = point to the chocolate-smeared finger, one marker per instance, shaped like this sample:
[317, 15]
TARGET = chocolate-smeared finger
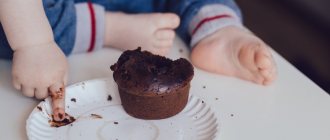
[57, 93]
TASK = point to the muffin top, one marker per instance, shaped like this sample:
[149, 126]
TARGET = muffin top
[141, 72]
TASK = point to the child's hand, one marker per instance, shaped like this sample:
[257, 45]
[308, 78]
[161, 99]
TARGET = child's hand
[236, 52]
[38, 69]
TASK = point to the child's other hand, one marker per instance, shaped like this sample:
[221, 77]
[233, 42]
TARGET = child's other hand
[236, 52]
[38, 69]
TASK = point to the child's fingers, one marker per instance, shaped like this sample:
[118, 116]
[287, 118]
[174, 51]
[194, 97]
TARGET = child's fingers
[28, 91]
[41, 93]
[165, 34]
[17, 85]
[57, 93]
[167, 20]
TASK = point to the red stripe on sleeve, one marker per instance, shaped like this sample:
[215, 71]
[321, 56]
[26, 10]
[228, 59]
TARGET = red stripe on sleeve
[207, 20]
[93, 27]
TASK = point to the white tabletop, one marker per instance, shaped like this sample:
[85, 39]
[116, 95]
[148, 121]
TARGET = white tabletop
[290, 109]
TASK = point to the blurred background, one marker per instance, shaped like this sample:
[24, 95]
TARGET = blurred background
[299, 30]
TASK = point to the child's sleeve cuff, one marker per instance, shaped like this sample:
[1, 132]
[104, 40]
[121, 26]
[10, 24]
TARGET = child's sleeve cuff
[90, 27]
[211, 18]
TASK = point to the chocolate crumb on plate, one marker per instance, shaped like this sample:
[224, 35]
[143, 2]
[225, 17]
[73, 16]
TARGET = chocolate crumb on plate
[115, 122]
[204, 86]
[109, 98]
[180, 50]
[67, 120]
[39, 108]
[95, 116]
[231, 115]
[73, 100]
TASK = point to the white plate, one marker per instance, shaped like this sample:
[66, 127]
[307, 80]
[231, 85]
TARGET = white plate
[195, 122]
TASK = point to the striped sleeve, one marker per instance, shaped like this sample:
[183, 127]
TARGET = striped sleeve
[211, 18]
[90, 27]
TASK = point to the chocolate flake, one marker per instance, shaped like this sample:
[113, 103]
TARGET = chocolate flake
[204, 87]
[115, 122]
[109, 98]
[216, 98]
[73, 100]
[202, 102]
[95, 116]
[231, 115]
[39, 108]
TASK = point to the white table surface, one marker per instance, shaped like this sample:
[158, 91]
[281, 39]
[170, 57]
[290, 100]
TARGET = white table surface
[293, 108]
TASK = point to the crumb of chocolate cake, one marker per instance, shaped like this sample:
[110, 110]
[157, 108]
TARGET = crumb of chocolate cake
[216, 98]
[115, 122]
[202, 102]
[95, 116]
[180, 50]
[204, 87]
[39, 108]
[231, 115]
[67, 120]
[73, 100]
[109, 98]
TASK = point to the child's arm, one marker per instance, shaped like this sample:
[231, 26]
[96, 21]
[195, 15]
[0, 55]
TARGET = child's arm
[38, 64]
[25, 23]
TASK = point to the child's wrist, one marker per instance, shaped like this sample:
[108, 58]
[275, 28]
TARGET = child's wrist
[33, 46]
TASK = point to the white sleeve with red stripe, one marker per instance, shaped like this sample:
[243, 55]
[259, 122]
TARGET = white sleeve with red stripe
[211, 18]
[89, 28]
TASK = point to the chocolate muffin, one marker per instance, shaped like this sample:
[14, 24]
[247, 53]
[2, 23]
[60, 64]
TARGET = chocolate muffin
[151, 86]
